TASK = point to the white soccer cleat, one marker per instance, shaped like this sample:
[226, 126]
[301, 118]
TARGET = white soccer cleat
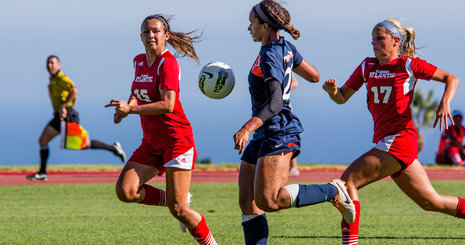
[343, 202]
[181, 225]
[294, 172]
[37, 176]
[119, 151]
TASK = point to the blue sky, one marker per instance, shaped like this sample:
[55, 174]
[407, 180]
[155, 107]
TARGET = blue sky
[97, 41]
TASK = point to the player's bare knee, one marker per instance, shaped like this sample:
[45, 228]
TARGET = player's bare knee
[42, 142]
[126, 194]
[267, 204]
[178, 210]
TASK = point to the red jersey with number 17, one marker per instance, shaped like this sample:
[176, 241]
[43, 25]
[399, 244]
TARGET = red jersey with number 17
[148, 82]
[390, 89]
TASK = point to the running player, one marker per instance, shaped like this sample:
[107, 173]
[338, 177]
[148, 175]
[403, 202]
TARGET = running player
[168, 142]
[390, 79]
[63, 94]
[265, 161]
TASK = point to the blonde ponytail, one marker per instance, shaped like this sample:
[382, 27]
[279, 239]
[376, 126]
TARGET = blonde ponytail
[408, 33]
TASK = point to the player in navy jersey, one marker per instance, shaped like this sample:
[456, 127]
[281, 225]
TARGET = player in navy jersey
[276, 140]
[168, 142]
[390, 78]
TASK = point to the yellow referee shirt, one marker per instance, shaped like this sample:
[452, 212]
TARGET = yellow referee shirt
[59, 88]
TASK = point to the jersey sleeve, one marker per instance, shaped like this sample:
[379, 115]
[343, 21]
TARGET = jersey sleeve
[67, 82]
[169, 74]
[357, 79]
[297, 57]
[272, 66]
[422, 69]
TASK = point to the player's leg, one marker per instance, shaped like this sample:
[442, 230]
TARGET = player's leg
[414, 182]
[254, 223]
[370, 167]
[131, 186]
[48, 133]
[270, 178]
[453, 152]
[177, 189]
[294, 170]
[116, 148]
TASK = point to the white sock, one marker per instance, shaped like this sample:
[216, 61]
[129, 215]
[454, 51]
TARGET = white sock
[293, 191]
[247, 217]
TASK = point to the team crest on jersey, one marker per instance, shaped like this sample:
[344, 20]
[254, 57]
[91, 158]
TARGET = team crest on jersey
[288, 57]
[143, 79]
[382, 74]
[141, 63]
[256, 70]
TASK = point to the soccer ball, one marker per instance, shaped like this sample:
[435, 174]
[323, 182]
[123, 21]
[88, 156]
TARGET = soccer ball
[216, 80]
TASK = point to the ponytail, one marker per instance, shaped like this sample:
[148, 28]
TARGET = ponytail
[183, 43]
[278, 16]
[408, 47]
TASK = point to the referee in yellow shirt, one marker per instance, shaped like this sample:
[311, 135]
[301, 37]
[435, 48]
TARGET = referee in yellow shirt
[63, 93]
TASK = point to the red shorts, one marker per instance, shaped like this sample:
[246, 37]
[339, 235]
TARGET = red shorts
[180, 153]
[403, 146]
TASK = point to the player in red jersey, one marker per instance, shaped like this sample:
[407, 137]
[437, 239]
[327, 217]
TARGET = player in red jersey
[390, 80]
[451, 149]
[168, 142]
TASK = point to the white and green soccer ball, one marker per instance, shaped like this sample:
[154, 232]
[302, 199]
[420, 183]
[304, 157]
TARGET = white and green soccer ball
[216, 80]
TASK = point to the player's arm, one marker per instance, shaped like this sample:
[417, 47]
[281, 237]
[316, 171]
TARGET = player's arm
[273, 106]
[72, 95]
[165, 105]
[339, 95]
[443, 110]
[307, 71]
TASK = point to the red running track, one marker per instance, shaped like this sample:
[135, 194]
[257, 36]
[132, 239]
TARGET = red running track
[319, 175]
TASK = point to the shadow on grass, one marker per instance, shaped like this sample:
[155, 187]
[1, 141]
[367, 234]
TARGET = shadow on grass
[377, 237]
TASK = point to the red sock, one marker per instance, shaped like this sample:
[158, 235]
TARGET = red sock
[202, 234]
[454, 155]
[461, 209]
[154, 196]
[350, 231]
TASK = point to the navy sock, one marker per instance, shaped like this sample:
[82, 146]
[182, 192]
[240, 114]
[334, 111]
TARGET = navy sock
[313, 194]
[256, 230]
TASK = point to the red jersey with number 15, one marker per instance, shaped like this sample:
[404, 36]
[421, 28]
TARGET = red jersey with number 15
[390, 89]
[148, 82]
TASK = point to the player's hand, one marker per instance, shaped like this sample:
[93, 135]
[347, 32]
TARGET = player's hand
[442, 114]
[240, 139]
[330, 86]
[122, 109]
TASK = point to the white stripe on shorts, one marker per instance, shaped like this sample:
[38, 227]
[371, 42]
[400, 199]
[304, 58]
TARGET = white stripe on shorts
[385, 143]
[183, 161]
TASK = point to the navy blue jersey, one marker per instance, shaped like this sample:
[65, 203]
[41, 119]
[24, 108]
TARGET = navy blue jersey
[275, 60]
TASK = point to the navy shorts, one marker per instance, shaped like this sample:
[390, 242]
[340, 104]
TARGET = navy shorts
[271, 146]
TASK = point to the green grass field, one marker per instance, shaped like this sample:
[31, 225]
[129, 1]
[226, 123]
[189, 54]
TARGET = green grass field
[91, 214]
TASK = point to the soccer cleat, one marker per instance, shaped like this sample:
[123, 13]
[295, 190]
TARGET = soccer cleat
[37, 176]
[343, 202]
[181, 225]
[294, 172]
[119, 151]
